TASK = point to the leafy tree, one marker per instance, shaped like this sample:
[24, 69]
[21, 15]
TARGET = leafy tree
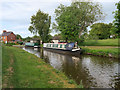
[40, 23]
[100, 31]
[83, 38]
[117, 19]
[50, 38]
[114, 31]
[18, 36]
[57, 36]
[27, 39]
[73, 20]
[35, 36]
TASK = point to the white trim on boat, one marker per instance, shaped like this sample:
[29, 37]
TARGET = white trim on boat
[35, 46]
[76, 49]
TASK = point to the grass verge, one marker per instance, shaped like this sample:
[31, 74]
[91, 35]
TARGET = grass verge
[0, 65]
[24, 70]
[101, 51]
[105, 42]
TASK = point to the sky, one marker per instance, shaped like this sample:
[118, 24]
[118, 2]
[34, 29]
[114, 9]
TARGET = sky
[15, 14]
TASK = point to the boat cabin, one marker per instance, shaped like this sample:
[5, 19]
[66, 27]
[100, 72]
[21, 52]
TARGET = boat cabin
[62, 46]
[33, 42]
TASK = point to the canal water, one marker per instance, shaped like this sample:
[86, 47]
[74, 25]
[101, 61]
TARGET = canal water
[92, 71]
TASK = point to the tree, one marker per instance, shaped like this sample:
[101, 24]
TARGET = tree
[117, 19]
[114, 31]
[100, 31]
[40, 23]
[18, 36]
[27, 39]
[35, 36]
[73, 20]
[57, 37]
[50, 38]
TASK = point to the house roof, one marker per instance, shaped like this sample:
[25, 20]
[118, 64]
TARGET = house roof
[56, 38]
[6, 33]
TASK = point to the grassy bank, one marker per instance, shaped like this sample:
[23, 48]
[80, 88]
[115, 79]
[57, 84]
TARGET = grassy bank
[0, 66]
[24, 70]
[105, 42]
[101, 51]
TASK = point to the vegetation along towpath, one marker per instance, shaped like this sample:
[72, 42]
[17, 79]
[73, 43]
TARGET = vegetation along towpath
[24, 70]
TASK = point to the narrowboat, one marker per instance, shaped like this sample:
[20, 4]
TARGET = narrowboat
[72, 47]
[29, 44]
[33, 43]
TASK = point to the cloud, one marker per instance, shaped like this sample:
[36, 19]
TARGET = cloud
[1, 31]
[23, 33]
[35, 1]
[56, 0]
[106, 0]
[20, 27]
[18, 12]
[15, 14]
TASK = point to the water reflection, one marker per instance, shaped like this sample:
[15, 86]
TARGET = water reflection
[101, 70]
[93, 71]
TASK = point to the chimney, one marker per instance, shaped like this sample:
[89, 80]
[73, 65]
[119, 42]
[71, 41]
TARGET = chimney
[4, 31]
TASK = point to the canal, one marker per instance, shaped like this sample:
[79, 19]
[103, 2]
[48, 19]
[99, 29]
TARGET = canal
[92, 71]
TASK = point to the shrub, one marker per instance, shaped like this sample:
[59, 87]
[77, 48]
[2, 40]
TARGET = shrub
[71, 81]
[10, 44]
[80, 85]
[20, 43]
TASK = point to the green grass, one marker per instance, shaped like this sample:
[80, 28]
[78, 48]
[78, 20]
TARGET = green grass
[101, 51]
[105, 42]
[0, 65]
[24, 70]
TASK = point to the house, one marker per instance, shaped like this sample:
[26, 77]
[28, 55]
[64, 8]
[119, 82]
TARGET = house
[35, 40]
[7, 37]
[56, 39]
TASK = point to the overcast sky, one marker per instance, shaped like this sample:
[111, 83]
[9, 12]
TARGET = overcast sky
[15, 14]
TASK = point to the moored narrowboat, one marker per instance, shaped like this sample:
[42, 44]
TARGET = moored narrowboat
[33, 43]
[62, 46]
[29, 44]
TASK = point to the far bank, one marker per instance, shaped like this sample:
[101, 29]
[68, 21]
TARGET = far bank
[104, 51]
[106, 47]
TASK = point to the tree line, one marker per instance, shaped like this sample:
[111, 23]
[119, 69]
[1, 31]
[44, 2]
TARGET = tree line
[72, 22]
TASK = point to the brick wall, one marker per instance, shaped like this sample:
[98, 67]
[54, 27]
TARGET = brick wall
[4, 38]
[11, 37]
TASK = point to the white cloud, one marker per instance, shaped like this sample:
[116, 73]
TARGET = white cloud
[106, 0]
[1, 31]
[34, 0]
[15, 14]
[20, 27]
[24, 10]
[56, 0]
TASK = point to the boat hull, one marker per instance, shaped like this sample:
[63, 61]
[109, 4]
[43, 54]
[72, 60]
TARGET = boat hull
[63, 51]
[32, 45]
